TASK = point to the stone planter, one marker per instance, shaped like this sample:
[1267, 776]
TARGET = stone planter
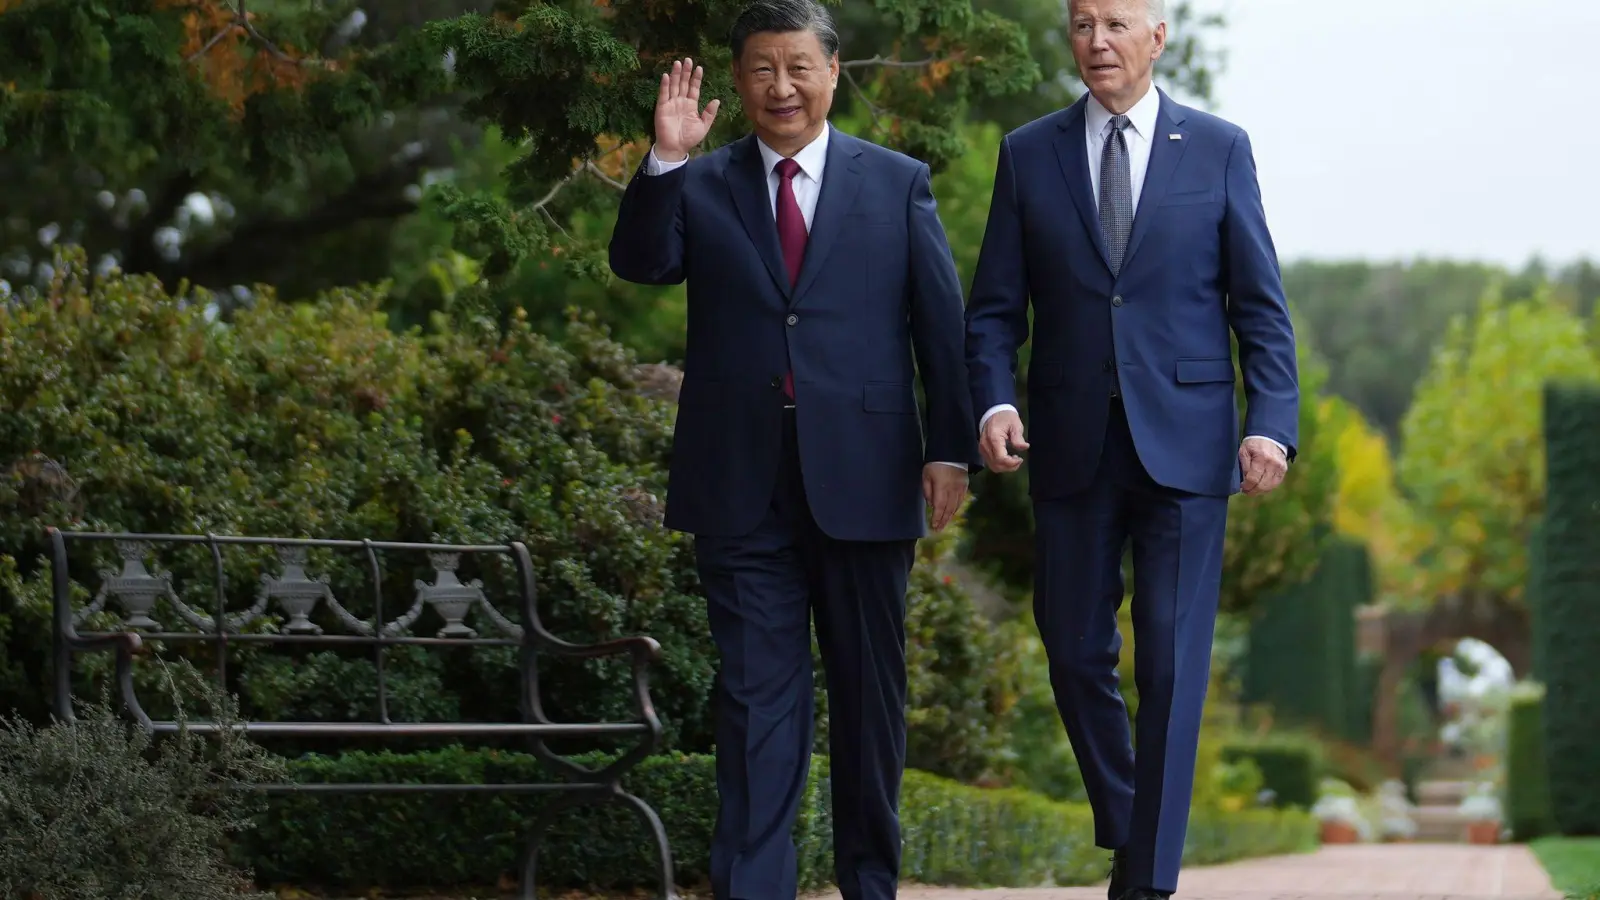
[1337, 832]
[1483, 832]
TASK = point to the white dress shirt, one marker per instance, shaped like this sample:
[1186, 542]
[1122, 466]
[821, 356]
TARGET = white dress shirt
[813, 160]
[1097, 128]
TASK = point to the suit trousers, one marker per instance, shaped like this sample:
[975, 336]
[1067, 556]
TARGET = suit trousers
[762, 591]
[1140, 801]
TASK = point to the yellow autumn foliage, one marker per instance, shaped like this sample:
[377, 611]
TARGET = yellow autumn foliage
[1368, 506]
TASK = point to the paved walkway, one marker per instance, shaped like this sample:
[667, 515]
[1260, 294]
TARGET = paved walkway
[1358, 872]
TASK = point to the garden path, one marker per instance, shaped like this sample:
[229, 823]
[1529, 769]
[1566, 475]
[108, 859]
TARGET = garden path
[1341, 872]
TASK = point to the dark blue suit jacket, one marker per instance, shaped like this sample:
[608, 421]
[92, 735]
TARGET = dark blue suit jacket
[1199, 264]
[878, 281]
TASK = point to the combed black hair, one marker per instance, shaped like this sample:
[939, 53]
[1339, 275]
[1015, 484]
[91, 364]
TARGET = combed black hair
[783, 16]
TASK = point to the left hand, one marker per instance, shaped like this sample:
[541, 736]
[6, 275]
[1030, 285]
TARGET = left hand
[944, 487]
[1263, 465]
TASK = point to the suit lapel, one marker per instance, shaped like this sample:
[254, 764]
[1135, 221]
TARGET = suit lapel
[1072, 150]
[1164, 156]
[747, 180]
[841, 181]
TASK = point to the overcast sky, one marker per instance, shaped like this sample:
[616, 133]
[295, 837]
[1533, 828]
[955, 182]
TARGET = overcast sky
[1392, 129]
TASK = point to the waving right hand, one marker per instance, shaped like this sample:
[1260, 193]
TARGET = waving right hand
[680, 123]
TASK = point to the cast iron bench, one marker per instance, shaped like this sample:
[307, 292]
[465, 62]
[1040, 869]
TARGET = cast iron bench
[142, 593]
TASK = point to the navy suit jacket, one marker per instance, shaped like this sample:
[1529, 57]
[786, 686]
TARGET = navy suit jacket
[1199, 264]
[878, 281]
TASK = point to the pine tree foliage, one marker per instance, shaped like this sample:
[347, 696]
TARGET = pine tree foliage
[114, 114]
[578, 81]
[229, 143]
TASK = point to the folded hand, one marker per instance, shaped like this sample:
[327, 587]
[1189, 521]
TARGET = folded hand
[1262, 464]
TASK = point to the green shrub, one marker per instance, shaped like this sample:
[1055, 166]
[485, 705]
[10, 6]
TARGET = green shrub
[131, 409]
[1569, 601]
[954, 834]
[964, 673]
[318, 420]
[1043, 759]
[1291, 765]
[1527, 800]
[96, 810]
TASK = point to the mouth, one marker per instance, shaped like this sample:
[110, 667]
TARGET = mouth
[784, 112]
[1104, 68]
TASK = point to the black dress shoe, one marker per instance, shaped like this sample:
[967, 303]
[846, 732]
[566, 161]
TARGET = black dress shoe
[1145, 894]
[1119, 876]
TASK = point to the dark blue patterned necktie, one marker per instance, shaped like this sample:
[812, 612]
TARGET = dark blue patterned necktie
[1116, 193]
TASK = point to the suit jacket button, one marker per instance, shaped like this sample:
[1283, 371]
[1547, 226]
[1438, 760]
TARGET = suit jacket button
[1108, 367]
[777, 381]
[792, 319]
[1117, 300]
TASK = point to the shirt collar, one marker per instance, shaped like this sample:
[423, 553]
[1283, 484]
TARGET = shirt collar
[812, 158]
[1141, 118]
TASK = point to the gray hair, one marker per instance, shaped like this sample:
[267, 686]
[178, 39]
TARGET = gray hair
[1155, 10]
[779, 16]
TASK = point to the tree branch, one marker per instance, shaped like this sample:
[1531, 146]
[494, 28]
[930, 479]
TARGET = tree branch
[241, 21]
[886, 63]
[588, 166]
[872, 108]
[596, 172]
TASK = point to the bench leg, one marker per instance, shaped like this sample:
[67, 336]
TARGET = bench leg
[562, 802]
[663, 846]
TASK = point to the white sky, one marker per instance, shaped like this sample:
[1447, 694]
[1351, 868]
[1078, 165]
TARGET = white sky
[1393, 129]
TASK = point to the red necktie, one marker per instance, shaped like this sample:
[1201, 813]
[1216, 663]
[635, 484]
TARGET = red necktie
[791, 236]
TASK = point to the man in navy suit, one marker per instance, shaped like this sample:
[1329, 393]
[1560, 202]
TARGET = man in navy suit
[1134, 228]
[820, 285]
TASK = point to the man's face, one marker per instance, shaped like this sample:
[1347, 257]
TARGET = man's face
[1115, 48]
[786, 83]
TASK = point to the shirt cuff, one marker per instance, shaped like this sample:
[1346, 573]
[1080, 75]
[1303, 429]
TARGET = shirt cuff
[998, 407]
[954, 465]
[654, 166]
[1260, 437]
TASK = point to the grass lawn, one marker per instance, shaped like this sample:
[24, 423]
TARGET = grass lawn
[1573, 864]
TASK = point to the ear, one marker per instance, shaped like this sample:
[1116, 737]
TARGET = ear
[1161, 40]
[833, 69]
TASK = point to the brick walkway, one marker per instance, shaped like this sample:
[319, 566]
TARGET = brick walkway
[1360, 872]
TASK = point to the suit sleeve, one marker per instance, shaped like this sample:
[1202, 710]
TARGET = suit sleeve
[936, 330]
[647, 240]
[997, 313]
[1258, 312]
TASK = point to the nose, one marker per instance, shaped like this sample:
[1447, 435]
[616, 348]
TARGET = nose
[1099, 38]
[782, 86]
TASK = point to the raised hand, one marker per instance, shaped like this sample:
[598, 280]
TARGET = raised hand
[680, 123]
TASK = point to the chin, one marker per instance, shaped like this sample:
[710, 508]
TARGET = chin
[788, 127]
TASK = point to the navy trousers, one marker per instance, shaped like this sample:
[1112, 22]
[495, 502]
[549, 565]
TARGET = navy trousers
[763, 590]
[1140, 801]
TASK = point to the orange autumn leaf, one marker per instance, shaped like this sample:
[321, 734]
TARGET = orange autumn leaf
[234, 64]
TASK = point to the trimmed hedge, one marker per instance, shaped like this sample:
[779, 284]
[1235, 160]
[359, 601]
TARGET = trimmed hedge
[1569, 601]
[953, 834]
[1527, 800]
[1291, 766]
[1302, 658]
